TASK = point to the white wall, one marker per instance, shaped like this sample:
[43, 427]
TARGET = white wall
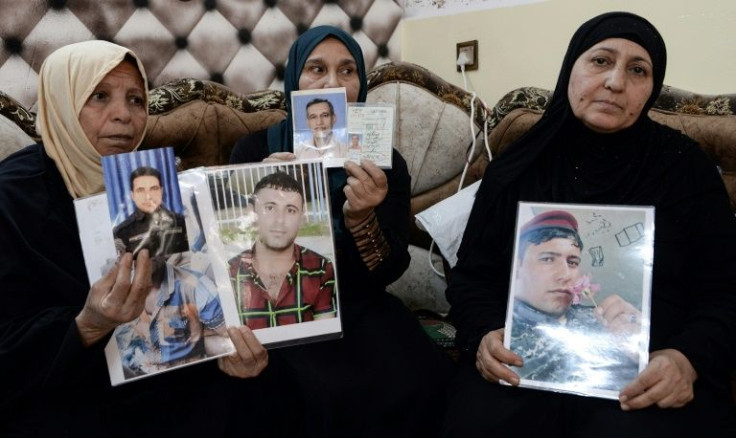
[524, 45]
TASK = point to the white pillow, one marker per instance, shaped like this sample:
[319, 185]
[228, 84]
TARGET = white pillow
[445, 221]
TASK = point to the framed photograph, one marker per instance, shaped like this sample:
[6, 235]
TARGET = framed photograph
[187, 310]
[371, 133]
[273, 229]
[579, 300]
[319, 122]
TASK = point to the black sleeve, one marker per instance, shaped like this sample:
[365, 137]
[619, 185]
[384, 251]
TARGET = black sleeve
[41, 351]
[704, 310]
[44, 286]
[393, 217]
[479, 283]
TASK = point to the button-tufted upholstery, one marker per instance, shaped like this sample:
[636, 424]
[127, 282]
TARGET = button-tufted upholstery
[242, 44]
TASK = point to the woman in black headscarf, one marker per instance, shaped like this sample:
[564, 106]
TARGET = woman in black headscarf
[385, 377]
[595, 144]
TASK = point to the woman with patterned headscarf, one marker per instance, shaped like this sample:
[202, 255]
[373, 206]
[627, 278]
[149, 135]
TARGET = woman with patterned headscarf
[53, 325]
[595, 144]
[385, 377]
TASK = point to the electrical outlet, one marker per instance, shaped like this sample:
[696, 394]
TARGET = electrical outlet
[467, 55]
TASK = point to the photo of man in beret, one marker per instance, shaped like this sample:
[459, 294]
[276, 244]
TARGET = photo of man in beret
[560, 335]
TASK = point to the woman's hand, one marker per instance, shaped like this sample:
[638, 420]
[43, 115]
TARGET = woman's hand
[115, 298]
[366, 188]
[279, 157]
[249, 359]
[667, 382]
[492, 357]
[618, 316]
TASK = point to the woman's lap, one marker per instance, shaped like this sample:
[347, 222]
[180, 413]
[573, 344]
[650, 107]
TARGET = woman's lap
[479, 408]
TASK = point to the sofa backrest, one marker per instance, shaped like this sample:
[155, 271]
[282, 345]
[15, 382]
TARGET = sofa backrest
[709, 120]
[202, 120]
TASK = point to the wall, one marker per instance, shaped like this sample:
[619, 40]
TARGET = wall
[524, 45]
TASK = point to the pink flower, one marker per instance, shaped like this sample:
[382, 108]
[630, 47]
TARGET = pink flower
[583, 287]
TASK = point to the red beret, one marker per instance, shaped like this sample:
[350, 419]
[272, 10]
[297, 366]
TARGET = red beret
[551, 219]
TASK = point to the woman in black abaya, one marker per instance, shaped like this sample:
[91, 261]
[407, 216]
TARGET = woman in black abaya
[385, 377]
[595, 144]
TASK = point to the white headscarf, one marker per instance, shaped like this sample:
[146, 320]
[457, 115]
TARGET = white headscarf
[67, 79]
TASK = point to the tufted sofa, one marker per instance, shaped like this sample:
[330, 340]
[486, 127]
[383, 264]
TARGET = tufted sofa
[202, 120]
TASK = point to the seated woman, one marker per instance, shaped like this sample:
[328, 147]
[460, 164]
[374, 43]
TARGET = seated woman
[53, 325]
[385, 377]
[596, 144]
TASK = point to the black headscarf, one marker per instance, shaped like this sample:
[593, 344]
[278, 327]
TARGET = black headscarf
[612, 25]
[280, 136]
[570, 152]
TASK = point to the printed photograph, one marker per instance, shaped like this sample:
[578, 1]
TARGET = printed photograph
[186, 311]
[275, 228]
[356, 139]
[579, 301]
[320, 120]
[145, 202]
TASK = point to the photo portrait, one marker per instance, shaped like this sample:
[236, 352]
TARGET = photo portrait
[275, 228]
[578, 311]
[188, 304]
[355, 140]
[145, 202]
[319, 123]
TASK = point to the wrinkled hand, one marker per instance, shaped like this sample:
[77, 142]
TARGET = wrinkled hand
[249, 359]
[366, 188]
[278, 157]
[618, 316]
[115, 298]
[667, 382]
[492, 357]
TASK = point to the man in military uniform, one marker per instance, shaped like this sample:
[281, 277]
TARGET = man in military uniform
[151, 226]
[558, 339]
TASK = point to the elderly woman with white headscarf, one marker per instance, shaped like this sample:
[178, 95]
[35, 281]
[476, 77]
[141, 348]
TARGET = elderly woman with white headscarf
[53, 324]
